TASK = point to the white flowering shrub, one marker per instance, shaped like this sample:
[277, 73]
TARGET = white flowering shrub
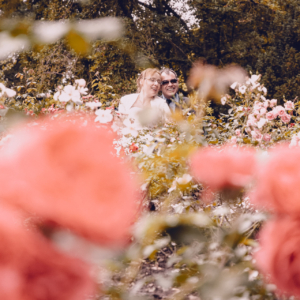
[186, 245]
[254, 119]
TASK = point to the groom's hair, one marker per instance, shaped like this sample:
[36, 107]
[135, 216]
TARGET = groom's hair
[168, 71]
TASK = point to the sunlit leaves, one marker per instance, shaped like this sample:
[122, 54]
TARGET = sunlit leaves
[77, 42]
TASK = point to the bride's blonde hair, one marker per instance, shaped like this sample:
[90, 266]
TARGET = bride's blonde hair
[145, 74]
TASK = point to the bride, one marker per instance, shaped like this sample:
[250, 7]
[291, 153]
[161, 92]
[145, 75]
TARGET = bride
[148, 83]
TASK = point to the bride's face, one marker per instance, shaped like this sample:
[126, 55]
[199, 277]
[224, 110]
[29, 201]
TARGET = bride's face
[151, 84]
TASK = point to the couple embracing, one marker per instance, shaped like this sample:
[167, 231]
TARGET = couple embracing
[149, 83]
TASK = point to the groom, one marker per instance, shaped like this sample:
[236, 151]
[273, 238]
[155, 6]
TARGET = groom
[169, 88]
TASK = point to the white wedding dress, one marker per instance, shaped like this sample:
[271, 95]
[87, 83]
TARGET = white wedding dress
[126, 106]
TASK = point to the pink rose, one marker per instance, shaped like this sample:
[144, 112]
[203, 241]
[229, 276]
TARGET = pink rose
[251, 122]
[257, 105]
[267, 138]
[286, 118]
[289, 105]
[278, 187]
[233, 139]
[256, 135]
[263, 98]
[266, 103]
[271, 115]
[280, 110]
[225, 167]
[238, 132]
[294, 142]
[263, 111]
[71, 203]
[33, 268]
[259, 137]
[278, 256]
[273, 102]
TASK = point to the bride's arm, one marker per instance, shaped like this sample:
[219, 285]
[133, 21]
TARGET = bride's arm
[121, 108]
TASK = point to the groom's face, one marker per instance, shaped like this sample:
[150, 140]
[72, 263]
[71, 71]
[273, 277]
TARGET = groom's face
[170, 89]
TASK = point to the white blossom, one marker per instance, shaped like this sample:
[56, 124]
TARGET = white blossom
[131, 127]
[178, 208]
[261, 122]
[69, 93]
[233, 86]
[93, 105]
[82, 90]
[148, 150]
[80, 82]
[6, 91]
[242, 89]
[103, 116]
[223, 100]
[115, 127]
[185, 179]
[254, 79]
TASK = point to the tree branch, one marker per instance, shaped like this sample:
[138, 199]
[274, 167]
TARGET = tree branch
[167, 8]
[175, 14]
[147, 6]
[127, 11]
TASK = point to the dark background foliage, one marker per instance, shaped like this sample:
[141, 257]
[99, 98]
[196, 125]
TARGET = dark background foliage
[262, 36]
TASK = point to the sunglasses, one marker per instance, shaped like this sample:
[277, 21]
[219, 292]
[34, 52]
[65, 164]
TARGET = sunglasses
[165, 82]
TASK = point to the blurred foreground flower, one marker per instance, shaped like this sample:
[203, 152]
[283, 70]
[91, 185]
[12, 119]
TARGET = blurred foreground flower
[223, 168]
[31, 269]
[279, 253]
[103, 116]
[70, 176]
[6, 92]
[212, 83]
[69, 93]
[278, 182]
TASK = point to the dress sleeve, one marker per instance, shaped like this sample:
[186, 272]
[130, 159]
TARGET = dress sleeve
[121, 108]
[164, 107]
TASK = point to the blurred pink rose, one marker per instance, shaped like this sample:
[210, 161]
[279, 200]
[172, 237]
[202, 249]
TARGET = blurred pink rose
[233, 139]
[279, 255]
[256, 135]
[266, 103]
[257, 105]
[289, 105]
[280, 110]
[238, 132]
[251, 122]
[32, 269]
[68, 174]
[225, 167]
[278, 187]
[273, 102]
[80, 82]
[271, 115]
[256, 113]
[263, 111]
[285, 118]
[267, 137]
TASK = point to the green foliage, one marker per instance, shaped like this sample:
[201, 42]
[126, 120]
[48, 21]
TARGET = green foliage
[260, 36]
[210, 245]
